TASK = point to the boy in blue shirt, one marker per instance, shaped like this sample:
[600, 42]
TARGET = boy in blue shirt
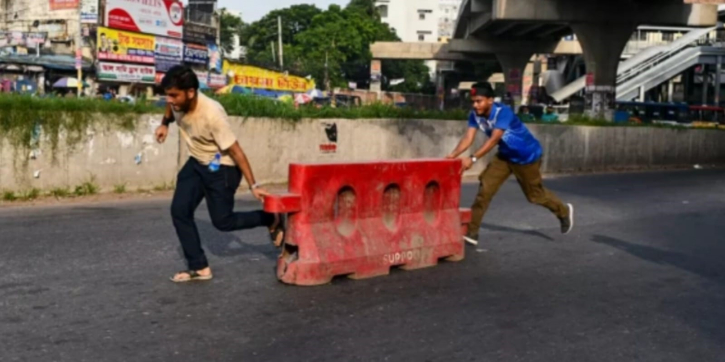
[519, 153]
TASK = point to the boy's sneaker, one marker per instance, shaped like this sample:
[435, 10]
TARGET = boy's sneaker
[567, 223]
[471, 239]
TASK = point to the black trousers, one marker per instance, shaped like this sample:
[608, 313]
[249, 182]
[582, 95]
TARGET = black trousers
[196, 182]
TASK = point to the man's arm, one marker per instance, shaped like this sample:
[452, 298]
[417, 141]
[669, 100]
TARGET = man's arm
[237, 154]
[168, 116]
[485, 149]
[496, 136]
[163, 130]
[465, 143]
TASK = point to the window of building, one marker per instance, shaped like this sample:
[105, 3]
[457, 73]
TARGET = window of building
[383, 11]
[421, 37]
[422, 12]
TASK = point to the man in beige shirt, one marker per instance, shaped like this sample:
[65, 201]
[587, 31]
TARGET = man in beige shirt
[213, 172]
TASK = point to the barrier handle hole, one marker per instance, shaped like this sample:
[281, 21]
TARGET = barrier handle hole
[431, 202]
[391, 206]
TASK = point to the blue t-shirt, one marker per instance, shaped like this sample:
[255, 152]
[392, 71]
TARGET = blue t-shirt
[517, 145]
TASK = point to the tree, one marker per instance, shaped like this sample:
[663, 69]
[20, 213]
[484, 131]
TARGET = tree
[259, 35]
[332, 46]
[229, 25]
[366, 6]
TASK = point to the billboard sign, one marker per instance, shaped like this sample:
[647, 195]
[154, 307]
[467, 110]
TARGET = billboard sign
[196, 54]
[129, 73]
[158, 17]
[169, 52]
[89, 11]
[201, 34]
[125, 46]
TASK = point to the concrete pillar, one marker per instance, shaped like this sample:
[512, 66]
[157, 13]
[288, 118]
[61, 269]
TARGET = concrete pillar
[602, 44]
[376, 77]
[642, 94]
[718, 69]
[41, 83]
[670, 90]
[513, 65]
[705, 83]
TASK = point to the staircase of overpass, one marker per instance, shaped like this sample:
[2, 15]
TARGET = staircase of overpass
[656, 65]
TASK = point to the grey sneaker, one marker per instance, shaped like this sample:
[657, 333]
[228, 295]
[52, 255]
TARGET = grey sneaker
[567, 223]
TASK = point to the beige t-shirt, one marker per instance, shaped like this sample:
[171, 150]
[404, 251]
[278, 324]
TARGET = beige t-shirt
[207, 132]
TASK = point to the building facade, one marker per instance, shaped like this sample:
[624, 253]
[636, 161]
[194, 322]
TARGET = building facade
[447, 16]
[427, 21]
[412, 20]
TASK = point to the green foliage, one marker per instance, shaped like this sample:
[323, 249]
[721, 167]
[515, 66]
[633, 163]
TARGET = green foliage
[164, 187]
[87, 188]
[9, 196]
[31, 194]
[337, 40]
[60, 192]
[259, 35]
[119, 189]
[229, 26]
[249, 106]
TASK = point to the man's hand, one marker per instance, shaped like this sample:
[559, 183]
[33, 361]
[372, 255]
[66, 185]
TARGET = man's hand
[451, 156]
[161, 133]
[260, 193]
[467, 164]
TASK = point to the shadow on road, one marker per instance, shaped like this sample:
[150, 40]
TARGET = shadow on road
[696, 265]
[506, 229]
[229, 244]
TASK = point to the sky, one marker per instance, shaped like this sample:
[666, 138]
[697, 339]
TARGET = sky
[259, 8]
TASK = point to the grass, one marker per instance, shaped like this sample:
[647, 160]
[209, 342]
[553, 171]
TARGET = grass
[119, 189]
[162, 187]
[248, 106]
[31, 194]
[9, 196]
[87, 188]
[60, 192]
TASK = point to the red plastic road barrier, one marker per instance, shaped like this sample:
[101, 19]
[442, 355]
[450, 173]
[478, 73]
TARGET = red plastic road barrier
[359, 219]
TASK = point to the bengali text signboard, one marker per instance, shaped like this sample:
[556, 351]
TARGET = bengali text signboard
[158, 17]
[125, 46]
[129, 73]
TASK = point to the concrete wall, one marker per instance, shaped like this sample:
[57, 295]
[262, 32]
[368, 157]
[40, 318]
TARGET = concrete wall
[272, 144]
[108, 156]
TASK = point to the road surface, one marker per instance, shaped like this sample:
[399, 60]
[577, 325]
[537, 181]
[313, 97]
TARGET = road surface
[641, 278]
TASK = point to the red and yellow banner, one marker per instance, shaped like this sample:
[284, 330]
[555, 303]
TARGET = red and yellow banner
[124, 46]
[255, 77]
[63, 4]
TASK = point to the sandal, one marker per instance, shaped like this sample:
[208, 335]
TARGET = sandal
[192, 276]
[278, 231]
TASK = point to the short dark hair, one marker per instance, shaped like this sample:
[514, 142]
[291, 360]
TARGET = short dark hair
[482, 89]
[181, 77]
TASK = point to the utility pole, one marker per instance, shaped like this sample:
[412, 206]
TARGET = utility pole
[271, 45]
[327, 73]
[79, 50]
[279, 35]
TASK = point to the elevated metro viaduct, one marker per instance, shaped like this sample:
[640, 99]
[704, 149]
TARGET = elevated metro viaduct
[514, 30]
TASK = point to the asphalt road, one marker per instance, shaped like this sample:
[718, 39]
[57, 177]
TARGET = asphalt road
[641, 278]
